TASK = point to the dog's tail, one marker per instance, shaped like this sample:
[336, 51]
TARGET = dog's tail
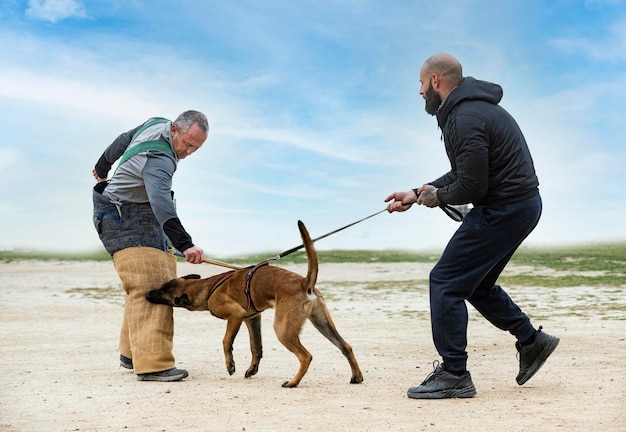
[311, 276]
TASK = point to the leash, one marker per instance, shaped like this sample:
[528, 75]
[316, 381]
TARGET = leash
[211, 261]
[450, 211]
[297, 248]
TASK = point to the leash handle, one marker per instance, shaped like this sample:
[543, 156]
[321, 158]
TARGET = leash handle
[450, 211]
[211, 261]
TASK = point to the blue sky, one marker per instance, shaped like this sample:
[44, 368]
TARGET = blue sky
[314, 113]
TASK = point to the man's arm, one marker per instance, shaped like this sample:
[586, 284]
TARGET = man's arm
[157, 177]
[112, 153]
[471, 162]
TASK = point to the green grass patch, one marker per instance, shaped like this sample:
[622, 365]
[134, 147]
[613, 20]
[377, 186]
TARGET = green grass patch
[9, 256]
[343, 256]
[609, 257]
[570, 280]
[299, 257]
[609, 260]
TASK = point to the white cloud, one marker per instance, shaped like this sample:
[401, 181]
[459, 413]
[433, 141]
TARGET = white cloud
[55, 10]
[611, 47]
[59, 92]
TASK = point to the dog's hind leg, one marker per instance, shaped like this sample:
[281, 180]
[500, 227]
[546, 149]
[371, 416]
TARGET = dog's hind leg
[288, 333]
[256, 344]
[232, 328]
[321, 319]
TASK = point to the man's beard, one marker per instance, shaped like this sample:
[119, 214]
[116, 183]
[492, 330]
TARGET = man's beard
[433, 100]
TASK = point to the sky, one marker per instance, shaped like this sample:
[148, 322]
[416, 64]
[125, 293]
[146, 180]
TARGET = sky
[314, 113]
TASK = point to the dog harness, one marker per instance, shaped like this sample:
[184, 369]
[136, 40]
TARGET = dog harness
[246, 289]
[224, 278]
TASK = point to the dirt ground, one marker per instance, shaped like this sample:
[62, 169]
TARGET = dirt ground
[59, 331]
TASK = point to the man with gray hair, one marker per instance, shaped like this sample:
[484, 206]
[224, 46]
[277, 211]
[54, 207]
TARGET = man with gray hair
[135, 215]
[491, 168]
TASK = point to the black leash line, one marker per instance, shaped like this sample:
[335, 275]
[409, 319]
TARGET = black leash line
[453, 213]
[294, 249]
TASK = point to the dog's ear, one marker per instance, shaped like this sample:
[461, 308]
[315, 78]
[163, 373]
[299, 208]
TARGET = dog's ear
[168, 285]
[191, 276]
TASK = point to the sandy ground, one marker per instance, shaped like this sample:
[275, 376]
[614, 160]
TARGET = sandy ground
[60, 323]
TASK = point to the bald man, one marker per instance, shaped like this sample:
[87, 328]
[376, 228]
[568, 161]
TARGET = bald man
[492, 169]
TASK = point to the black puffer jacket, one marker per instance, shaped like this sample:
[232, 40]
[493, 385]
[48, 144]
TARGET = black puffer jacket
[491, 163]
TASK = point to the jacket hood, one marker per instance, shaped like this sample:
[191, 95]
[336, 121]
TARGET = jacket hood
[469, 89]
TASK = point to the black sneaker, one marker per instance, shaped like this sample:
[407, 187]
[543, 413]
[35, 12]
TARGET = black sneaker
[125, 362]
[533, 356]
[442, 384]
[166, 375]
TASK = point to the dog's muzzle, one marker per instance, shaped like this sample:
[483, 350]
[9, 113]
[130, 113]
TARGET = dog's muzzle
[155, 296]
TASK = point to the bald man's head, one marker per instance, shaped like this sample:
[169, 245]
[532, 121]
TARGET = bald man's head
[439, 75]
[445, 66]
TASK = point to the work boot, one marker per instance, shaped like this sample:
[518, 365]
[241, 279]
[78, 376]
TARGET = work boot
[125, 362]
[441, 384]
[166, 375]
[534, 355]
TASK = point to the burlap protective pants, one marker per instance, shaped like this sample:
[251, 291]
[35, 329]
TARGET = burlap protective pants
[147, 330]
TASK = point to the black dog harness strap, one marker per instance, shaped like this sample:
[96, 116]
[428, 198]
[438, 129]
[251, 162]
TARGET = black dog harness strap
[219, 283]
[246, 290]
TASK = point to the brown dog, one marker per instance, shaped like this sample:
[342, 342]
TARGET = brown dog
[241, 295]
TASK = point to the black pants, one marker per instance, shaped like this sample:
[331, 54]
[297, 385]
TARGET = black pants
[468, 269]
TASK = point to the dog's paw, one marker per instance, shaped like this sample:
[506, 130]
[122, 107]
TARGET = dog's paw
[231, 368]
[252, 371]
[288, 384]
[356, 379]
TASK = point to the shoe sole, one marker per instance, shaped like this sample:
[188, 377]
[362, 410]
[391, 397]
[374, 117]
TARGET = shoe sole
[125, 362]
[463, 393]
[541, 359]
[169, 378]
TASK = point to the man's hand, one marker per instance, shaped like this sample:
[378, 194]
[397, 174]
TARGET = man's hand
[402, 201]
[97, 177]
[194, 255]
[428, 196]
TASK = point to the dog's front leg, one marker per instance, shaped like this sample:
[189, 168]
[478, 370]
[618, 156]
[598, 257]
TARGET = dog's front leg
[256, 344]
[232, 328]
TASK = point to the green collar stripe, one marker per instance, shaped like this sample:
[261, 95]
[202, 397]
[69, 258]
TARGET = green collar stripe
[159, 145]
[154, 121]
[162, 146]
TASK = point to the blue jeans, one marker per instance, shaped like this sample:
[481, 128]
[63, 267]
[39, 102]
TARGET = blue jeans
[133, 225]
[468, 270]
